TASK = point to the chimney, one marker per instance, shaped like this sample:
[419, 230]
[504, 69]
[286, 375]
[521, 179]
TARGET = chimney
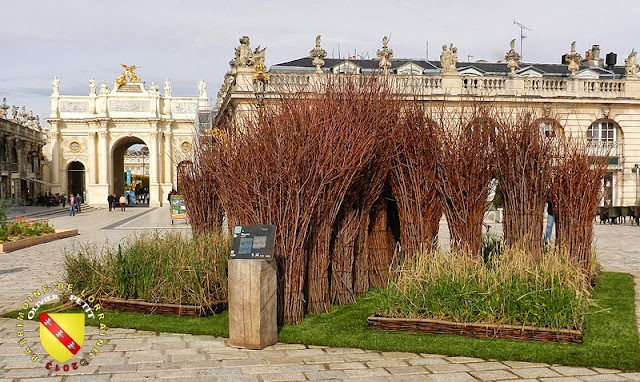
[594, 57]
[612, 59]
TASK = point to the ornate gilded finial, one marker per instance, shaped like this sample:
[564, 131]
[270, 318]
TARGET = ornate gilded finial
[260, 75]
[385, 54]
[512, 58]
[128, 75]
[574, 60]
[631, 65]
[318, 54]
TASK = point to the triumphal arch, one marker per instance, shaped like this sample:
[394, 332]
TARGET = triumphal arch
[90, 135]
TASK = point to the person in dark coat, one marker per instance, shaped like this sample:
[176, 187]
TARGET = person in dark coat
[110, 201]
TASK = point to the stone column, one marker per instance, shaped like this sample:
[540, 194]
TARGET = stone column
[55, 159]
[168, 159]
[104, 157]
[91, 149]
[154, 165]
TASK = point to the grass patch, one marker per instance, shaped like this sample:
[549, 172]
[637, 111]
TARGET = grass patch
[169, 268]
[610, 332]
[508, 288]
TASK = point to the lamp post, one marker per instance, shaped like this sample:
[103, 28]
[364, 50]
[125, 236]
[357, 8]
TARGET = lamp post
[260, 81]
[636, 170]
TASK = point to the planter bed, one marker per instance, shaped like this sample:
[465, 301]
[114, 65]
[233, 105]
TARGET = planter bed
[477, 330]
[35, 240]
[138, 306]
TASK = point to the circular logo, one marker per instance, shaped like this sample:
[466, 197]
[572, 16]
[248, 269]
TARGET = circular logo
[75, 146]
[61, 345]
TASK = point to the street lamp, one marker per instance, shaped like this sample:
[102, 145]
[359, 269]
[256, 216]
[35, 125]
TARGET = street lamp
[260, 82]
[636, 170]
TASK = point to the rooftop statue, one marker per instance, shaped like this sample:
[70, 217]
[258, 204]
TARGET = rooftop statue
[574, 59]
[512, 58]
[631, 64]
[385, 54]
[318, 54]
[92, 86]
[56, 85]
[245, 57]
[448, 59]
[128, 75]
[167, 88]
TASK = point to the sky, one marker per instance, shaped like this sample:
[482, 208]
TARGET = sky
[187, 41]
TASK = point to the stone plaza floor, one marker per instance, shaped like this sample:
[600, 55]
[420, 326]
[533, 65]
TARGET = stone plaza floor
[132, 355]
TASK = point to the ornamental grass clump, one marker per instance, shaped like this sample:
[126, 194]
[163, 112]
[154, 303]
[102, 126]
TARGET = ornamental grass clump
[161, 268]
[511, 288]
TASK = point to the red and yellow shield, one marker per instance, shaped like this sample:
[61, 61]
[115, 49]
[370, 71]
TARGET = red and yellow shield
[62, 334]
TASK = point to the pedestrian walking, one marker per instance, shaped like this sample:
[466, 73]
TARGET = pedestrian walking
[123, 203]
[115, 201]
[72, 205]
[64, 199]
[550, 221]
[78, 203]
[110, 201]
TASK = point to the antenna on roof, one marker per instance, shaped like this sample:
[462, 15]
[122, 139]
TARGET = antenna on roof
[522, 35]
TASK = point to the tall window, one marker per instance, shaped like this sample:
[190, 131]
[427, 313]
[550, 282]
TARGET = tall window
[601, 136]
[602, 132]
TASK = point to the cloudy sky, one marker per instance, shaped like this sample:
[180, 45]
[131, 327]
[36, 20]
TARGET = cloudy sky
[191, 40]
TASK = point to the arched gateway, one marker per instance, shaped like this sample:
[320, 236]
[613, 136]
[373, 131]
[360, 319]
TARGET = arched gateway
[95, 131]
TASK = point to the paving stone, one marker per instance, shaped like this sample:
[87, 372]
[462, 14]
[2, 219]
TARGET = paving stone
[362, 356]
[324, 358]
[277, 377]
[410, 378]
[408, 370]
[325, 374]
[464, 359]
[631, 376]
[487, 366]
[604, 371]
[428, 361]
[560, 379]
[346, 365]
[44, 379]
[398, 355]
[87, 378]
[186, 357]
[387, 363]
[282, 360]
[522, 365]
[452, 377]
[355, 373]
[535, 372]
[242, 362]
[301, 368]
[602, 378]
[493, 375]
[447, 368]
[572, 370]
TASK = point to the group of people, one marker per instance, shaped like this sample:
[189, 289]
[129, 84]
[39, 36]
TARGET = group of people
[113, 200]
[75, 204]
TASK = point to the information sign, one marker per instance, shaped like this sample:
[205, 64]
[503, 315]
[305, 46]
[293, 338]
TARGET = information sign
[178, 209]
[253, 242]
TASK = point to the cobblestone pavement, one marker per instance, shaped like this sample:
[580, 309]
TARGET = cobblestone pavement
[131, 355]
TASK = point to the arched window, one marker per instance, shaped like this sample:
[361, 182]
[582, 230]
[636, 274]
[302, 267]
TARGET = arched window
[602, 137]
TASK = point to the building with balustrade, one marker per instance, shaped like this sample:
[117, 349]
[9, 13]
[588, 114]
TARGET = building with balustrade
[591, 97]
[21, 155]
[90, 135]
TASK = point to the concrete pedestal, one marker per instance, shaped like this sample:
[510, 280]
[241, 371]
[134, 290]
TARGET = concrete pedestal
[252, 303]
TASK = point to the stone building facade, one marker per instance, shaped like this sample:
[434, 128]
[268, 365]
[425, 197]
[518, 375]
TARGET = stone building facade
[21, 155]
[592, 97]
[90, 135]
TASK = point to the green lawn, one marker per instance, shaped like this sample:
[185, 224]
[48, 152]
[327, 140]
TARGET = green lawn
[610, 339]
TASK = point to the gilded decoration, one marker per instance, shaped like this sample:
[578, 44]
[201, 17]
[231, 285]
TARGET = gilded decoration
[128, 75]
[75, 147]
[185, 146]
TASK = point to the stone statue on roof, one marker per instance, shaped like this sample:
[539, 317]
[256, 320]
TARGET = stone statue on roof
[202, 88]
[318, 54]
[631, 65]
[385, 54]
[104, 88]
[574, 59]
[448, 59]
[92, 86]
[167, 88]
[512, 58]
[244, 57]
[56, 85]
